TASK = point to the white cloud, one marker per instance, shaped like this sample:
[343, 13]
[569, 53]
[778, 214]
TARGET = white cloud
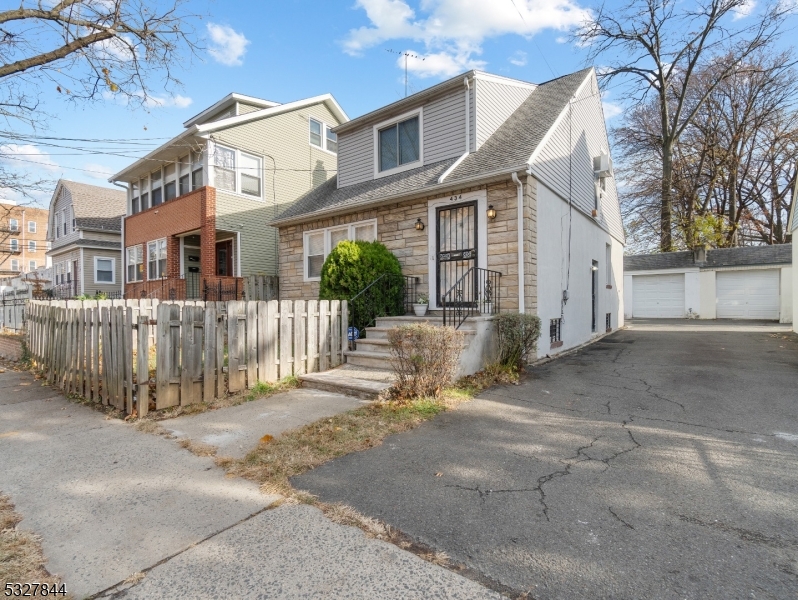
[177, 101]
[744, 10]
[97, 171]
[440, 64]
[518, 58]
[611, 109]
[26, 156]
[227, 45]
[453, 31]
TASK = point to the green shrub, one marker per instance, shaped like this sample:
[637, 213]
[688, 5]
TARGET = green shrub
[518, 338]
[352, 265]
[424, 359]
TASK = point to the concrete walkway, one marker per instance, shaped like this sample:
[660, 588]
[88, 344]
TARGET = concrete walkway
[109, 502]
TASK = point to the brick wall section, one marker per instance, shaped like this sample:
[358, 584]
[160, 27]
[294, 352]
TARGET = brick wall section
[396, 229]
[196, 210]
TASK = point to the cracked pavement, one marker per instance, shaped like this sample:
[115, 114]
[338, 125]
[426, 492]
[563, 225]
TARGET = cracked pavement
[651, 464]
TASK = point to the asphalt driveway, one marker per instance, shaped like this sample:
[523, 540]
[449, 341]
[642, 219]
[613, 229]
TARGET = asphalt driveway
[660, 462]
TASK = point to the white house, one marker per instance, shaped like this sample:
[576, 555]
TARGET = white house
[502, 184]
[728, 283]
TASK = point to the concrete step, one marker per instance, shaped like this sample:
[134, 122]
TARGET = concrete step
[372, 344]
[374, 360]
[365, 383]
[388, 322]
[381, 333]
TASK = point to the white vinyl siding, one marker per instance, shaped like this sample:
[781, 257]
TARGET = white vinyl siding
[495, 103]
[355, 157]
[444, 127]
[658, 296]
[748, 294]
[320, 242]
[588, 137]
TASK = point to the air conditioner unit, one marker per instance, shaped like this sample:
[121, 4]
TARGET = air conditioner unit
[602, 166]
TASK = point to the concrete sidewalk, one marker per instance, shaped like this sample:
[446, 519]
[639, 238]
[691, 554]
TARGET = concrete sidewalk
[109, 501]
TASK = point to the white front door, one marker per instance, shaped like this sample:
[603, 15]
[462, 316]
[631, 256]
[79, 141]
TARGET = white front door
[750, 294]
[658, 296]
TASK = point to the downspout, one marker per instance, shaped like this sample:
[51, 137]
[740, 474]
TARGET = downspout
[456, 163]
[521, 282]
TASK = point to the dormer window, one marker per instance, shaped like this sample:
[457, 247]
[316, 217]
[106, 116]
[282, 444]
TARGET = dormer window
[322, 136]
[398, 144]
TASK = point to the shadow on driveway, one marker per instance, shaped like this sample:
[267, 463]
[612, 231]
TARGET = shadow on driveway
[653, 464]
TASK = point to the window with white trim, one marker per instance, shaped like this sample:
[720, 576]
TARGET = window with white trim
[315, 132]
[104, 270]
[14, 244]
[31, 265]
[66, 220]
[399, 144]
[156, 191]
[331, 140]
[156, 259]
[14, 264]
[13, 224]
[320, 242]
[57, 225]
[135, 263]
[170, 182]
[31, 246]
[237, 171]
[31, 226]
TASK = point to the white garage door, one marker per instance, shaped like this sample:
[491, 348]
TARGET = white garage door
[748, 294]
[658, 296]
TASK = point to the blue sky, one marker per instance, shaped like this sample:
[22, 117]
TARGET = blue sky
[294, 49]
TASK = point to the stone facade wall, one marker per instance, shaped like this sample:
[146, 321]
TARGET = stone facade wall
[531, 246]
[396, 229]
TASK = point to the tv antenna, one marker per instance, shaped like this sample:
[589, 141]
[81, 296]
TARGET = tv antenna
[406, 55]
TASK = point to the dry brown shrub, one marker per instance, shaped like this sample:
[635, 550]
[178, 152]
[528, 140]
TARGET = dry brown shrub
[424, 358]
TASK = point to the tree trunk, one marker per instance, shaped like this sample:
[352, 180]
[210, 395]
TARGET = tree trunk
[666, 214]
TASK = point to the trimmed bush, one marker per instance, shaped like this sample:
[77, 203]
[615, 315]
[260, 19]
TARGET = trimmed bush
[518, 338]
[424, 359]
[352, 265]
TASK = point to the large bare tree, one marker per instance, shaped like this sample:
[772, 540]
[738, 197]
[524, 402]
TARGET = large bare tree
[86, 49]
[655, 47]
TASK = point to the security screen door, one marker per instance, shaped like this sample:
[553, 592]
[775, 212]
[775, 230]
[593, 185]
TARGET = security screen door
[457, 249]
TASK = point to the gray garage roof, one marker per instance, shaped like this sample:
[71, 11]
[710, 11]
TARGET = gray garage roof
[722, 257]
[508, 148]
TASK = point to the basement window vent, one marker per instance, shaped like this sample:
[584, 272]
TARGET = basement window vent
[609, 321]
[555, 332]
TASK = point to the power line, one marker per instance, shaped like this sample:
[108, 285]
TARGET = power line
[543, 56]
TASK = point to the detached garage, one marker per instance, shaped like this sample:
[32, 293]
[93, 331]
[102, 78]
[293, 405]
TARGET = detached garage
[728, 283]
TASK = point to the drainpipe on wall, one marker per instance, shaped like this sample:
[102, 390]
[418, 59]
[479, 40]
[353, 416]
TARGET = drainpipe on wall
[520, 203]
[455, 164]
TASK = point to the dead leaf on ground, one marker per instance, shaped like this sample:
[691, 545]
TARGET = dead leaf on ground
[438, 474]
[266, 439]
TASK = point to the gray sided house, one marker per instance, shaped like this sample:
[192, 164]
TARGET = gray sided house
[728, 283]
[478, 177]
[84, 232]
[198, 207]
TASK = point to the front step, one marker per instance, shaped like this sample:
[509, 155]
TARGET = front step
[373, 360]
[349, 379]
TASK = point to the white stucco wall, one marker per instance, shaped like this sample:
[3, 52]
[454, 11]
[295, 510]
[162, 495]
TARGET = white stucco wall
[787, 295]
[707, 295]
[588, 243]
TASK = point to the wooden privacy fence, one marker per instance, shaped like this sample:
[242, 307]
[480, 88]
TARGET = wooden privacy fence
[142, 354]
[262, 287]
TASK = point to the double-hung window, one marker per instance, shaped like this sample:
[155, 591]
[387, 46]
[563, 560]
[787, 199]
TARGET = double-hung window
[184, 176]
[315, 132]
[322, 136]
[66, 220]
[135, 263]
[31, 246]
[156, 259]
[13, 224]
[134, 198]
[237, 171]
[196, 170]
[31, 226]
[156, 190]
[31, 265]
[14, 264]
[57, 225]
[399, 144]
[103, 270]
[320, 242]
[14, 244]
[170, 182]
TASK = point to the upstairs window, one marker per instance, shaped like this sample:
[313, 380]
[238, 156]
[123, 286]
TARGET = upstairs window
[66, 220]
[331, 140]
[134, 198]
[31, 246]
[197, 180]
[184, 180]
[224, 163]
[32, 265]
[14, 244]
[399, 144]
[250, 175]
[237, 171]
[170, 182]
[14, 264]
[315, 133]
[57, 225]
[31, 226]
[157, 192]
[13, 224]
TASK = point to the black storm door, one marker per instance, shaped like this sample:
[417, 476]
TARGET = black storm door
[457, 249]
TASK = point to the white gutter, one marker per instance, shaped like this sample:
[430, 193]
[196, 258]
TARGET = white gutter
[456, 163]
[521, 282]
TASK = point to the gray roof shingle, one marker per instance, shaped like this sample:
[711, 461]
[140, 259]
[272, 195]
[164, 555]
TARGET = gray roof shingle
[93, 201]
[508, 148]
[778, 254]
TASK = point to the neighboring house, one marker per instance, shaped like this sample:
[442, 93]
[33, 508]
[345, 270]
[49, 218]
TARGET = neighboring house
[728, 283]
[84, 233]
[481, 172]
[198, 207]
[23, 239]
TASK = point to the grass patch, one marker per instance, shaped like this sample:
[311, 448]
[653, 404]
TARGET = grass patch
[21, 557]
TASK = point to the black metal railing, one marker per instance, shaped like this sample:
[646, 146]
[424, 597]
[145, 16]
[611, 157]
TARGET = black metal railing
[221, 291]
[475, 293]
[389, 295]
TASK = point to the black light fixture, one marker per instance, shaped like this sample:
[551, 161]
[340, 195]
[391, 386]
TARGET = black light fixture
[419, 225]
[491, 212]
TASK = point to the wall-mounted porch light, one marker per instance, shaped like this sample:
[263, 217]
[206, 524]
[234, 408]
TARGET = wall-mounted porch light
[491, 212]
[419, 225]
